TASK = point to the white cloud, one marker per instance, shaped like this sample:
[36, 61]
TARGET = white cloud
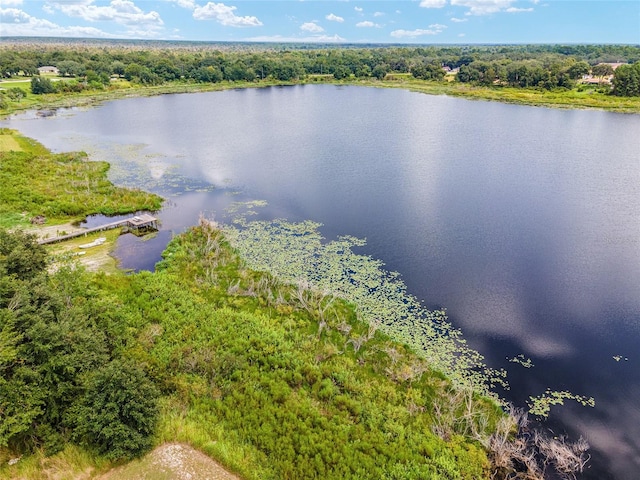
[367, 24]
[123, 12]
[413, 33]
[518, 10]
[334, 18]
[10, 3]
[188, 4]
[312, 39]
[378, 14]
[224, 15]
[433, 3]
[478, 7]
[459, 20]
[311, 27]
[16, 22]
[358, 9]
[483, 7]
[434, 29]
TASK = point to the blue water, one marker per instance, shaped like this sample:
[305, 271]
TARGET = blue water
[523, 222]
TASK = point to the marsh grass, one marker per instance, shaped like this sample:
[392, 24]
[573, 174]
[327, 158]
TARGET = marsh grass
[8, 143]
[60, 187]
[72, 463]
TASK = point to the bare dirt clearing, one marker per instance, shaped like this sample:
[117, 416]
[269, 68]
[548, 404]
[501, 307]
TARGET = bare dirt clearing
[171, 461]
[94, 259]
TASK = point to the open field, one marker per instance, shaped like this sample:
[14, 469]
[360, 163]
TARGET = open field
[9, 144]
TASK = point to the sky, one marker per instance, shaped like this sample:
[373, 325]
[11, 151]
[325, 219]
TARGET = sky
[334, 21]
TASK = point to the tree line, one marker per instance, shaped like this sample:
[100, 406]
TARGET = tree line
[534, 66]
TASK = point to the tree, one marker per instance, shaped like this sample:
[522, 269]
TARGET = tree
[340, 72]
[239, 71]
[578, 69]
[427, 71]
[602, 70]
[626, 80]
[20, 255]
[207, 74]
[40, 85]
[16, 94]
[525, 74]
[118, 411]
[468, 74]
[286, 69]
[117, 68]
[70, 68]
[380, 71]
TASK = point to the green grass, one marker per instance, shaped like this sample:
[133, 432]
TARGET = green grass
[588, 98]
[23, 84]
[272, 381]
[62, 187]
[72, 462]
[274, 388]
[8, 143]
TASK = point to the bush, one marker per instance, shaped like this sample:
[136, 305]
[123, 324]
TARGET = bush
[118, 412]
[40, 85]
[20, 255]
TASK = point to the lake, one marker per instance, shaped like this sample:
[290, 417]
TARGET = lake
[523, 222]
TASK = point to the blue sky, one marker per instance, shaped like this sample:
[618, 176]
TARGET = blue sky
[340, 21]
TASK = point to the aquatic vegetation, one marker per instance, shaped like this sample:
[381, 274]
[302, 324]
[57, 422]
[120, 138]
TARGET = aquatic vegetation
[541, 405]
[522, 360]
[297, 253]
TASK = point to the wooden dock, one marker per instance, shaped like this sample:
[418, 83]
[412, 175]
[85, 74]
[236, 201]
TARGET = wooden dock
[134, 224]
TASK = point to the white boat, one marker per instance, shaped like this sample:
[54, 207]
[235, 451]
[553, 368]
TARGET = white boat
[95, 243]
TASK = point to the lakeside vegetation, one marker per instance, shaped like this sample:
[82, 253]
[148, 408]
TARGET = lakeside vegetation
[58, 188]
[548, 75]
[272, 378]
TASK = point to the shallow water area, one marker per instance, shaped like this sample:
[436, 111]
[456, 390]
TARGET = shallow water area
[522, 222]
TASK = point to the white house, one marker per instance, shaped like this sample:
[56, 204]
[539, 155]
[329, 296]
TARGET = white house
[48, 70]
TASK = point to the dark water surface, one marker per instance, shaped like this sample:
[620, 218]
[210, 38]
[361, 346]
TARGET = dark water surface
[523, 222]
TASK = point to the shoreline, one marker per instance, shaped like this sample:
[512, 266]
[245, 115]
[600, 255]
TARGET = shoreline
[508, 95]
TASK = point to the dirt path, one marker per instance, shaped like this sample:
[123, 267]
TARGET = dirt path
[51, 231]
[171, 461]
[94, 259]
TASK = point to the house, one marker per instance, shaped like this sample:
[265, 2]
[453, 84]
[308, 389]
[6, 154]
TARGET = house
[48, 70]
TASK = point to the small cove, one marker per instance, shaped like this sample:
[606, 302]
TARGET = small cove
[523, 222]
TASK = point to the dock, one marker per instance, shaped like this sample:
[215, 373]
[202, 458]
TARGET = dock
[134, 224]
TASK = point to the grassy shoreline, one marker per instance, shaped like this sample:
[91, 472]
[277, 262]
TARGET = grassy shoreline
[571, 99]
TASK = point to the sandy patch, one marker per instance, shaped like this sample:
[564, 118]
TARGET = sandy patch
[171, 461]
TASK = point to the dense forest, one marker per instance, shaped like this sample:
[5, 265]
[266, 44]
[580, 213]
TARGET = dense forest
[544, 67]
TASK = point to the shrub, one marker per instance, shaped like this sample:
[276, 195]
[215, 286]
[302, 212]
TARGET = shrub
[118, 411]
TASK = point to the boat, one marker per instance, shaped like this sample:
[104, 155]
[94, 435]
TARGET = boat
[95, 243]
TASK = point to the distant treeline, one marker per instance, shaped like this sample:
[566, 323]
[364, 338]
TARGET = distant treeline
[524, 66]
